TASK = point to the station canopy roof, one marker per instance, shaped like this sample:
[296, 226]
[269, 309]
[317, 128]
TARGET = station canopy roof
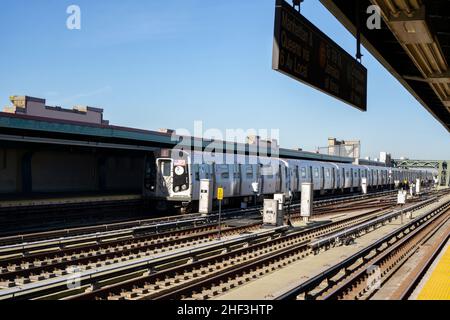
[413, 45]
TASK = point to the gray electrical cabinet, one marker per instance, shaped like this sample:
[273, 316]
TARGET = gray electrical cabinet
[307, 200]
[364, 185]
[272, 216]
[206, 196]
[401, 197]
[418, 183]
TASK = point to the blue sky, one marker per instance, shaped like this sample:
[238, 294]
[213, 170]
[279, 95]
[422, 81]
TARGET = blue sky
[165, 64]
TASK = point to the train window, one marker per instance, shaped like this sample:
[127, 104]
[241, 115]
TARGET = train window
[355, 174]
[249, 172]
[223, 167]
[225, 175]
[316, 172]
[267, 171]
[328, 172]
[303, 172]
[165, 168]
[347, 174]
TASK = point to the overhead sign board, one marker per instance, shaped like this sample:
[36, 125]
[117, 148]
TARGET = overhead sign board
[306, 54]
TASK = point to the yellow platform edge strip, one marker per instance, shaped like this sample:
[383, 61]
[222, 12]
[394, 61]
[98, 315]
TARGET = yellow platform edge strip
[438, 285]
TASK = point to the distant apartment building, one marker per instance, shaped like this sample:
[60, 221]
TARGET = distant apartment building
[344, 148]
[36, 107]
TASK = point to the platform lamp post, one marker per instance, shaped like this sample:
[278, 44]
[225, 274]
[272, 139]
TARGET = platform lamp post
[220, 198]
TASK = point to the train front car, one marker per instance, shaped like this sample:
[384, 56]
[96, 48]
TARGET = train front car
[174, 178]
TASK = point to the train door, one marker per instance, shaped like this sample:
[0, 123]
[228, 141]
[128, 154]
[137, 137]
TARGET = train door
[165, 182]
[359, 179]
[338, 179]
[241, 177]
[316, 178]
[297, 179]
[378, 178]
[278, 179]
[236, 179]
[311, 180]
[351, 178]
[279, 183]
[322, 178]
[260, 177]
[195, 181]
[343, 178]
[287, 179]
[333, 179]
[150, 174]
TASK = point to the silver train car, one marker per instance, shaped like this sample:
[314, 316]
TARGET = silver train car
[178, 177]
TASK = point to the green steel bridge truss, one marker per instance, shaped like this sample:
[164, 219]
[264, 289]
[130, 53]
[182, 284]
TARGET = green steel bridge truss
[441, 166]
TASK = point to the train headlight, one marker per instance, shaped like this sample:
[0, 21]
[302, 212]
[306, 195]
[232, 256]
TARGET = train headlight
[184, 187]
[176, 189]
[179, 170]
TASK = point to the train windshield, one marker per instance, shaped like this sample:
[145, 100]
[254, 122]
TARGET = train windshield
[165, 166]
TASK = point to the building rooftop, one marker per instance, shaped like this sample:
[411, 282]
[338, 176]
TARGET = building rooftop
[37, 107]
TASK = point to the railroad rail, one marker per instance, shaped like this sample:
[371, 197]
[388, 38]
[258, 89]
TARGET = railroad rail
[349, 278]
[112, 232]
[41, 266]
[118, 273]
[218, 273]
[405, 291]
[180, 219]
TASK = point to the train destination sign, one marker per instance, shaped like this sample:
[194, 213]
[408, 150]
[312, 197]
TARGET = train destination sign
[306, 54]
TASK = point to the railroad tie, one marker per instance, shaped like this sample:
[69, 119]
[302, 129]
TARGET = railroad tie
[59, 272]
[12, 267]
[36, 278]
[23, 266]
[5, 284]
[141, 291]
[129, 295]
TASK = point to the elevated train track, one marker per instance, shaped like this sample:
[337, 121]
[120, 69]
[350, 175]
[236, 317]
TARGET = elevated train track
[73, 236]
[119, 260]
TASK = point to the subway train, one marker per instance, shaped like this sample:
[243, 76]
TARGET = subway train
[178, 177]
